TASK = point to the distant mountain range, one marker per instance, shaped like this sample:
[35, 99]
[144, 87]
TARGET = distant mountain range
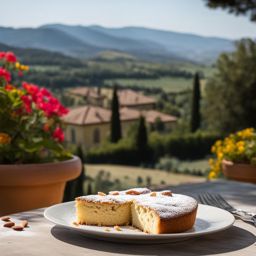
[143, 43]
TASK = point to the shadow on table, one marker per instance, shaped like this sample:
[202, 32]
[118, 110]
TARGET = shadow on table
[229, 240]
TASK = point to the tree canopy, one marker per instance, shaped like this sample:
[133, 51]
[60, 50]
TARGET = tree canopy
[238, 7]
[230, 94]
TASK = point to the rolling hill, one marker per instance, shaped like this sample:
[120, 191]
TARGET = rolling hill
[41, 57]
[47, 39]
[143, 43]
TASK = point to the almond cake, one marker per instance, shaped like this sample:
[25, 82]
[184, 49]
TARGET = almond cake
[151, 212]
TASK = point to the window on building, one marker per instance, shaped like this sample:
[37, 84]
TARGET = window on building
[73, 136]
[96, 136]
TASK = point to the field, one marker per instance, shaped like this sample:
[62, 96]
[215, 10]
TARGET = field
[112, 177]
[168, 84]
[202, 165]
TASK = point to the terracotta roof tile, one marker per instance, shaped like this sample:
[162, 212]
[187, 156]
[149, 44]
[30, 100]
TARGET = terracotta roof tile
[87, 115]
[130, 98]
[152, 115]
[86, 92]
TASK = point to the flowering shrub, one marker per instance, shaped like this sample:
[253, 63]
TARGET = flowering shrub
[30, 118]
[239, 147]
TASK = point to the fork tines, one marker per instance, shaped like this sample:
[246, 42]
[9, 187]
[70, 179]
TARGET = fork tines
[215, 200]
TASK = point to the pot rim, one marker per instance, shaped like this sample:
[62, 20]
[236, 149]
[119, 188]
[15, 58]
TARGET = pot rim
[231, 163]
[74, 158]
[40, 174]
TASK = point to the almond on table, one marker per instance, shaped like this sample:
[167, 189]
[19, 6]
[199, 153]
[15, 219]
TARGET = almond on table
[18, 228]
[24, 223]
[5, 218]
[9, 224]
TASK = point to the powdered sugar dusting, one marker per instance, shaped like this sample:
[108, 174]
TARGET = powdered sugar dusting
[165, 206]
[168, 206]
[123, 196]
[116, 199]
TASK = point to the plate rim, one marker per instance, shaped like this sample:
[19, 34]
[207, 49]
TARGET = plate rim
[143, 236]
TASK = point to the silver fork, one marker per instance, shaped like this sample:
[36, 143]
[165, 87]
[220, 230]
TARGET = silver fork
[218, 201]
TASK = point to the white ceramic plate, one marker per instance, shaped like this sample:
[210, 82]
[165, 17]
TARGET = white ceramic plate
[209, 220]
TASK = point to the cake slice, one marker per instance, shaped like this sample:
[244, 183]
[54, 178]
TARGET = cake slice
[107, 210]
[103, 210]
[164, 213]
[152, 212]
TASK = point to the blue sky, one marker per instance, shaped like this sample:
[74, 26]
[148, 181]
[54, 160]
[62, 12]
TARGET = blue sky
[177, 15]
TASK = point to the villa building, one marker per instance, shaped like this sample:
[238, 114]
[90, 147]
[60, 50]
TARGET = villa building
[90, 125]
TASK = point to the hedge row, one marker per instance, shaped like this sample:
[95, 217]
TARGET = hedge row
[120, 153]
[188, 146]
[185, 147]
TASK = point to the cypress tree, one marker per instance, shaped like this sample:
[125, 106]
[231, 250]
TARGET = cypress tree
[142, 140]
[74, 188]
[115, 129]
[195, 110]
[79, 181]
[69, 192]
[89, 189]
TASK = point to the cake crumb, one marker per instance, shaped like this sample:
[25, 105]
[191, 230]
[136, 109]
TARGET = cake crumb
[101, 194]
[117, 228]
[107, 229]
[153, 194]
[75, 223]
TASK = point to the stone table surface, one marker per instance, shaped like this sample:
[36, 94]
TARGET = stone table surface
[45, 238]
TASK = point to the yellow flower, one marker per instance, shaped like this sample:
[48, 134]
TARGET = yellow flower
[220, 155]
[246, 133]
[212, 175]
[24, 68]
[241, 150]
[4, 138]
[218, 143]
[17, 65]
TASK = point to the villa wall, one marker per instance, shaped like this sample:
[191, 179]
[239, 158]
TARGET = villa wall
[86, 135]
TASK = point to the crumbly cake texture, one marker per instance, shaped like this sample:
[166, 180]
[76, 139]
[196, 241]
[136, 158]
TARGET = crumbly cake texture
[152, 212]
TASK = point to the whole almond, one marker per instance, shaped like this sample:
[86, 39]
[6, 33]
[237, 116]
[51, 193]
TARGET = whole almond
[9, 224]
[17, 228]
[114, 193]
[166, 193]
[132, 192]
[24, 223]
[5, 218]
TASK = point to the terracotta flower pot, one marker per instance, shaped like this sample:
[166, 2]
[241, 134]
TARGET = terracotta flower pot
[239, 172]
[30, 186]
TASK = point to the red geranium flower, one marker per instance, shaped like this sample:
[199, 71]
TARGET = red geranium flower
[2, 55]
[27, 103]
[44, 100]
[9, 87]
[5, 74]
[58, 134]
[10, 57]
